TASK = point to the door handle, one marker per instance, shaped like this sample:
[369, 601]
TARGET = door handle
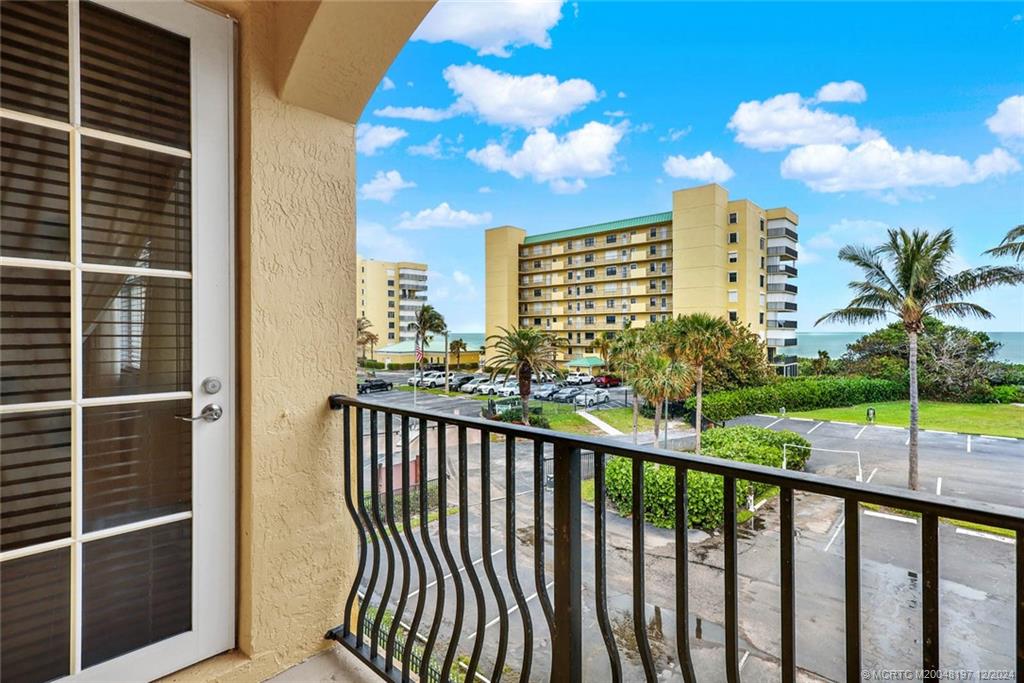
[210, 413]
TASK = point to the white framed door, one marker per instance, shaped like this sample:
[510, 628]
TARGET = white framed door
[117, 516]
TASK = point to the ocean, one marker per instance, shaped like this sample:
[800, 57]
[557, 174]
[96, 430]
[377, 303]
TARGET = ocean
[809, 343]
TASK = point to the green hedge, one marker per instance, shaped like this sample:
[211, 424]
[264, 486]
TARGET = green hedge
[799, 394]
[706, 509]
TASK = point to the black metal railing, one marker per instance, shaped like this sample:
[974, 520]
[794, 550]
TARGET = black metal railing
[392, 626]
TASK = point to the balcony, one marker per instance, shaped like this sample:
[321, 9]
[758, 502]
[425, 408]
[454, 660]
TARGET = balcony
[781, 269]
[784, 233]
[782, 306]
[781, 324]
[775, 341]
[476, 593]
[781, 287]
[784, 253]
[783, 360]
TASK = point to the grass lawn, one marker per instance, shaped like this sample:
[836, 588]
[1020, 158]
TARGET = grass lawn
[564, 419]
[978, 418]
[440, 392]
[622, 419]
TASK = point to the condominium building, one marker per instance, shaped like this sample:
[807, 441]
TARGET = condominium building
[390, 294]
[708, 253]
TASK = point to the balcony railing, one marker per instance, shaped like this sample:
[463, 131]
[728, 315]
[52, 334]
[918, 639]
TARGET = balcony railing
[781, 324]
[783, 252]
[782, 269]
[781, 287]
[389, 457]
[788, 233]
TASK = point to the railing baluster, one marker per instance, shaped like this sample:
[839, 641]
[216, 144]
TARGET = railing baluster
[567, 637]
[442, 512]
[510, 557]
[492, 576]
[539, 539]
[449, 556]
[391, 536]
[350, 505]
[788, 585]
[639, 593]
[421, 570]
[1019, 575]
[732, 633]
[930, 593]
[601, 569]
[376, 532]
[683, 577]
[464, 549]
[852, 579]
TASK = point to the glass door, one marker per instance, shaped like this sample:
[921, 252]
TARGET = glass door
[116, 504]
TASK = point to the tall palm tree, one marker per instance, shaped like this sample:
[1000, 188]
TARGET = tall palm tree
[908, 276]
[603, 346]
[363, 326]
[368, 339]
[625, 354]
[698, 339]
[428, 321]
[1012, 244]
[458, 347]
[660, 379]
[819, 365]
[522, 352]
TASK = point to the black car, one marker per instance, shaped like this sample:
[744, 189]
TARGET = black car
[369, 385]
[459, 381]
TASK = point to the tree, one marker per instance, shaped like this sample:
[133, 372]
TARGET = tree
[428, 321]
[458, 347]
[625, 354]
[1012, 244]
[363, 334]
[521, 352]
[819, 365]
[908, 276]
[698, 339]
[659, 379]
[744, 365]
[603, 346]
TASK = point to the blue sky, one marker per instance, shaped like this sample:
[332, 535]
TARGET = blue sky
[549, 116]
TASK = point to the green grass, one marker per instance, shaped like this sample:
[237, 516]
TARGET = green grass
[622, 419]
[587, 490]
[977, 418]
[440, 392]
[564, 419]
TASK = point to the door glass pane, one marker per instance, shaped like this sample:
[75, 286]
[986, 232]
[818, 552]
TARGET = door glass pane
[35, 335]
[137, 590]
[138, 462]
[135, 77]
[35, 617]
[136, 334]
[34, 58]
[33, 191]
[136, 207]
[35, 471]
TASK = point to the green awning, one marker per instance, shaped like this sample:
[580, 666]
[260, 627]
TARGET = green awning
[586, 362]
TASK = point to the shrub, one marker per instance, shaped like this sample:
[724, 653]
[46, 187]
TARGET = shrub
[537, 418]
[748, 443]
[807, 393]
[1007, 394]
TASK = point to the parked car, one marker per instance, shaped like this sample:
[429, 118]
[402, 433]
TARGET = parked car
[509, 388]
[490, 387]
[607, 381]
[591, 397]
[566, 394]
[366, 386]
[472, 386]
[543, 378]
[460, 381]
[418, 380]
[437, 379]
[545, 391]
[578, 378]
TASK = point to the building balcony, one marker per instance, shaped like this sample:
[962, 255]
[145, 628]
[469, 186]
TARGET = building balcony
[783, 253]
[782, 269]
[777, 341]
[780, 287]
[784, 233]
[781, 324]
[782, 306]
[783, 360]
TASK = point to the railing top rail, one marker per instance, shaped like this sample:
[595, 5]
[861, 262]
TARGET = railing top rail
[915, 501]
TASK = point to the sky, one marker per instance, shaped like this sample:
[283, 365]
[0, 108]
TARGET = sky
[550, 115]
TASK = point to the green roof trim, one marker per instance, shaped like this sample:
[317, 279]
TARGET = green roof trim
[435, 344]
[586, 362]
[635, 222]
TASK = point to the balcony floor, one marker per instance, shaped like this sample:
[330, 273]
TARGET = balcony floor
[336, 664]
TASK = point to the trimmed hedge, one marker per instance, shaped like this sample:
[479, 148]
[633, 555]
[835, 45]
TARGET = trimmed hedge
[799, 394]
[706, 497]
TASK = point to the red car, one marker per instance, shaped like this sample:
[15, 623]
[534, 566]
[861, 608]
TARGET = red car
[607, 381]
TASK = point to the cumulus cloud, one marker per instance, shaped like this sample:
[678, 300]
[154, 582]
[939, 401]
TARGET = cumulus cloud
[788, 120]
[876, 165]
[371, 138]
[387, 84]
[617, 114]
[1008, 122]
[485, 189]
[443, 216]
[706, 168]
[384, 186]
[415, 113]
[491, 28]
[562, 162]
[622, 95]
[845, 231]
[431, 149]
[373, 240]
[675, 134]
[844, 91]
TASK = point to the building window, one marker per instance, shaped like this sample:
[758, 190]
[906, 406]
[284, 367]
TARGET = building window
[654, 301]
[589, 320]
[664, 302]
[733, 218]
[734, 238]
[391, 314]
[391, 335]
[588, 289]
[588, 242]
[536, 292]
[588, 335]
[609, 319]
[589, 272]
[762, 263]
[652, 250]
[391, 326]
[568, 244]
[632, 266]
[654, 318]
[610, 239]
[654, 232]
[589, 258]
[570, 348]
[536, 321]
[734, 256]
[734, 276]
[762, 280]
[734, 296]
[568, 260]
[633, 300]
[589, 305]
[632, 317]
[762, 299]
[536, 264]
[391, 292]
[568, 275]
[733, 317]
[760, 318]
[391, 283]
[610, 270]
[762, 244]
[610, 303]
[762, 224]
[391, 304]
[664, 266]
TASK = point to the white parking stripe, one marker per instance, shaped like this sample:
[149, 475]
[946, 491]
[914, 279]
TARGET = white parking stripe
[763, 415]
[895, 518]
[938, 486]
[860, 432]
[461, 569]
[899, 429]
[982, 534]
[815, 427]
[937, 431]
[839, 528]
[968, 443]
[743, 659]
[849, 424]
[997, 438]
[774, 423]
[511, 610]
[802, 419]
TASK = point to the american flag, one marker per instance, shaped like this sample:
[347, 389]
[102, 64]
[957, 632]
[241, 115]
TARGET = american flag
[419, 352]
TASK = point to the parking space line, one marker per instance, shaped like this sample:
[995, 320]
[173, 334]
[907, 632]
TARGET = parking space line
[774, 423]
[511, 611]
[461, 569]
[968, 443]
[802, 419]
[938, 486]
[815, 427]
[982, 534]
[839, 528]
[743, 659]
[996, 438]
[848, 424]
[937, 431]
[763, 415]
[898, 429]
[860, 432]
[895, 518]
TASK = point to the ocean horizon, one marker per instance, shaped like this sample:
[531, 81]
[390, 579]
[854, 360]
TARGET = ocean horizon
[835, 343]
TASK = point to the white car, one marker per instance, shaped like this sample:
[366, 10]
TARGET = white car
[418, 380]
[591, 397]
[509, 388]
[437, 380]
[578, 378]
[489, 387]
[472, 385]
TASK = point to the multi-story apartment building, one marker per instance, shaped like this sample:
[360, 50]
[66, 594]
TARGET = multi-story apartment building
[390, 294]
[728, 258]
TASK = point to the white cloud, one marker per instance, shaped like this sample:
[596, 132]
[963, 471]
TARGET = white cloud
[787, 120]
[706, 168]
[462, 279]
[458, 298]
[431, 149]
[846, 231]
[415, 113]
[588, 152]
[844, 91]
[617, 114]
[485, 189]
[443, 216]
[675, 134]
[373, 240]
[370, 138]
[1017, 18]
[876, 166]
[1008, 122]
[622, 95]
[491, 28]
[387, 84]
[384, 186]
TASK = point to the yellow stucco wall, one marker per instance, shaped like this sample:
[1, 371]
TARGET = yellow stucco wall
[296, 264]
[699, 247]
[501, 255]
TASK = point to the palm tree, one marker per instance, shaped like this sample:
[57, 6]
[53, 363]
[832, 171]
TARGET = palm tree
[363, 333]
[908, 276]
[458, 347]
[819, 365]
[625, 354]
[659, 379]
[1012, 244]
[603, 346]
[369, 339]
[523, 351]
[698, 339]
[428, 321]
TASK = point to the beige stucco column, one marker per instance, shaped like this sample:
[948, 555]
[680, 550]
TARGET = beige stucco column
[305, 72]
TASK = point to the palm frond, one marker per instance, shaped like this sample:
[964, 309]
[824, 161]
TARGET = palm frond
[1011, 245]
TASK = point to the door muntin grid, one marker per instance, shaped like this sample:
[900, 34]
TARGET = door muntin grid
[96, 336]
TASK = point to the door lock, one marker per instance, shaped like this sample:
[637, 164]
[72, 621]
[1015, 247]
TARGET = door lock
[210, 413]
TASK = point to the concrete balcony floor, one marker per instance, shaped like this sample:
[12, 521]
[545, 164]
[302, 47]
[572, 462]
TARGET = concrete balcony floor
[336, 664]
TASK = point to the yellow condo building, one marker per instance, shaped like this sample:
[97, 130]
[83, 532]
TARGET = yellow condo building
[390, 294]
[725, 257]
